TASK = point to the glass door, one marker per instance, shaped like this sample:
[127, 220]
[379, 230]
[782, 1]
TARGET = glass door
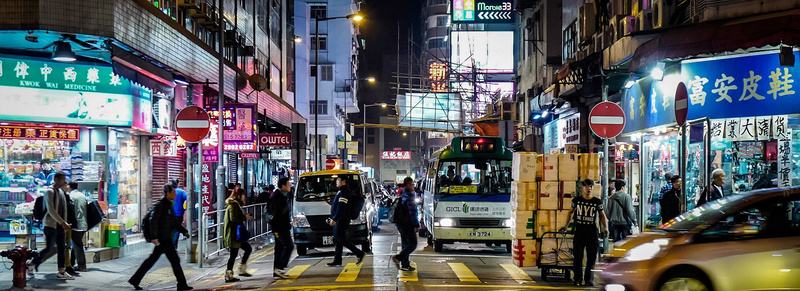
[696, 167]
[660, 157]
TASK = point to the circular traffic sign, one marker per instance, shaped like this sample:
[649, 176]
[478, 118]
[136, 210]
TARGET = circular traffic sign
[681, 104]
[330, 164]
[193, 123]
[607, 119]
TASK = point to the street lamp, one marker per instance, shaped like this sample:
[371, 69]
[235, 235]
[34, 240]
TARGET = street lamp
[355, 17]
[345, 155]
[364, 129]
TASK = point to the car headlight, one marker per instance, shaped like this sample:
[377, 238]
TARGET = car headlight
[446, 222]
[362, 219]
[300, 220]
[507, 223]
[645, 251]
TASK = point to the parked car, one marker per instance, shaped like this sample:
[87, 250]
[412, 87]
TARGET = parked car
[741, 242]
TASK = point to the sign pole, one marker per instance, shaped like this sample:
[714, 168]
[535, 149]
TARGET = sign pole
[189, 189]
[604, 181]
[221, 149]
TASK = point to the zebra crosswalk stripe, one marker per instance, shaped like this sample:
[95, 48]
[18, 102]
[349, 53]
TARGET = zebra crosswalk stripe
[349, 273]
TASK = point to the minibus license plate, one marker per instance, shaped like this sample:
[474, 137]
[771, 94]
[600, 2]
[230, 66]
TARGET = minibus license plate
[480, 233]
[327, 240]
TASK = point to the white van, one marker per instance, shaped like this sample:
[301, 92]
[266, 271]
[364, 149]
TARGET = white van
[311, 207]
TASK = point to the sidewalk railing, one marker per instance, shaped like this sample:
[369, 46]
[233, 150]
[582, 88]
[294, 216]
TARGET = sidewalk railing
[211, 244]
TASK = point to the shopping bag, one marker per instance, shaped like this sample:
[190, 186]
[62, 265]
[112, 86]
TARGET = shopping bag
[635, 230]
[242, 235]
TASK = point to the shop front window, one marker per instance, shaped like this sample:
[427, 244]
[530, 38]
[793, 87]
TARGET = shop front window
[124, 186]
[661, 157]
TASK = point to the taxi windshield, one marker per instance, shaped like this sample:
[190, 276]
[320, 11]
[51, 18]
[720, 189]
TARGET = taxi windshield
[323, 187]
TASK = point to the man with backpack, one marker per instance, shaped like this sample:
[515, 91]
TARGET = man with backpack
[621, 212]
[55, 204]
[404, 216]
[342, 209]
[280, 221]
[157, 228]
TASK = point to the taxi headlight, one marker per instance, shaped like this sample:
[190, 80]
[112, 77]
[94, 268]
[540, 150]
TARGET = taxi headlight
[645, 251]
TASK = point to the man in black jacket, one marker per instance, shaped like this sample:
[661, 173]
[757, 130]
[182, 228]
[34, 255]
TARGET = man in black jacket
[281, 227]
[340, 220]
[162, 224]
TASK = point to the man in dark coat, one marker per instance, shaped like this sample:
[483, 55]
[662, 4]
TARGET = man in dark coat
[715, 191]
[671, 201]
[408, 226]
[162, 223]
[281, 225]
[340, 220]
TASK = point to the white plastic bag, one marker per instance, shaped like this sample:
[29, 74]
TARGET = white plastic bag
[635, 230]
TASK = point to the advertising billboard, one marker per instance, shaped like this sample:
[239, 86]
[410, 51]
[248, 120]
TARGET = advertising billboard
[487, 51]
[429, 110]
[483, 11]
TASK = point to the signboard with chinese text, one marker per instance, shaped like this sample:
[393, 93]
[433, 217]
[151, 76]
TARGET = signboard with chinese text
[483, 11]
[571, 132]
[650, 104]
[280, 155]
[164, 147]
[437, 77]
[396, 155]
[551, 135]
[39, 132]
[352, 147]
[239, 124]
[785, 163]
[42, 91]
[205, 187]
[210, 145]
[739, 86]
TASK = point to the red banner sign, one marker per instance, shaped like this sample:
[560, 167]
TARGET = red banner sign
[39, 132]
[275, 140]
[396, 155]
[205, 187]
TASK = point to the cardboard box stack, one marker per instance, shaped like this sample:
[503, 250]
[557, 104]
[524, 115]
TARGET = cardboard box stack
[541, 197]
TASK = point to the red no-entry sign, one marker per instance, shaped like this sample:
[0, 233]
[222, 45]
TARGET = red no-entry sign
[330, 164]
[192, 123]
[681, 104]
[607, 119]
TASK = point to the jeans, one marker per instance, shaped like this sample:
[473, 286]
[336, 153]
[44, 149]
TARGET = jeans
[584, 240]
[341, 237]
[53, 237]
[176, 235]
[619, 232]
[408, 240]
[235, 252]
[283, 249]
[167, 249]
[77, 249]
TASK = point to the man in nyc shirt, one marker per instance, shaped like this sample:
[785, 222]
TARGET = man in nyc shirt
[585, 209]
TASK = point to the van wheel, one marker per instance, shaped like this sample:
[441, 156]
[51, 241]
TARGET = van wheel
[302, 250]
[437, 246]
[430, 239]
[685, 280]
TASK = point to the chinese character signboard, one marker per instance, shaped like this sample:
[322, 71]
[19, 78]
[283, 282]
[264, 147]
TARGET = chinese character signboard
[785, 163]
[164, 147]
[396, 155]
[352, 147]
[239, 124]
[649, 104]
[437, 76]
[210, 145]
[39, 132]
[483, 11]
[571, 130]
[551, 135]
[205, 187]
[41, 91]
[750, 85]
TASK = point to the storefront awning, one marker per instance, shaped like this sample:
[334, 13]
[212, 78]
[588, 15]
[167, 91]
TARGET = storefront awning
[721, 36]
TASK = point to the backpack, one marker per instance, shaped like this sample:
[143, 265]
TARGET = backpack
[358, 202]
[39, 210]
[397, 211]
[148, 235]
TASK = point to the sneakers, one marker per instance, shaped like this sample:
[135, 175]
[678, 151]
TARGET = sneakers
[135, 286]
[396, 261]
[408, 269]
[64, 276]
[280, 274]
[30, 271]
[72, 272]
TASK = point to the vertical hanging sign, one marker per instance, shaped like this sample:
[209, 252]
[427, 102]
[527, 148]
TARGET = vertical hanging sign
[785, 163]
[717, 129]
[205, 187]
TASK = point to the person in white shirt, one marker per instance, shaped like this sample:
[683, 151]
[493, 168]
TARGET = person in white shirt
[79, 201]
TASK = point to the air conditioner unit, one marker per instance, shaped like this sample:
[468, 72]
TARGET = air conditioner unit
[247, 51]
[508, 111]
[644, 20]
[621, 7]
[231, 37]
[627, 25]
[662, 11]
[588, 21]
[187, 3]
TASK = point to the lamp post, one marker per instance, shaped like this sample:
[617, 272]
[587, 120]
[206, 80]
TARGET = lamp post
[364, 129]
[345, 154]
[355, 17]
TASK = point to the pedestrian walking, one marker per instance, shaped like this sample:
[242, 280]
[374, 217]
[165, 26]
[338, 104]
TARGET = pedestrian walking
[671, 201]
[715, 191]
[236, 234]
[158, 230]
[620, 212]
[407, 225]
[55, 226]
[79, 203]
[69, 260]
[179, 207]
[586, 209]
[281, 227]
[340, 220]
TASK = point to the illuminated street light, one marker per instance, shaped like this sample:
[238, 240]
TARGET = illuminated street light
[658, 72]
[297, 39]
[371, 79]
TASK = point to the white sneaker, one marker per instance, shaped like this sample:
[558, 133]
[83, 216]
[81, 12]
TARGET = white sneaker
[281, 274]
[64, 276]
[30, 271]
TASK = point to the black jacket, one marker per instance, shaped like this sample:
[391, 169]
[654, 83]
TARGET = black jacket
[709, 194]
[163, 224]
[340, 207]
[670, 205]
[282, 218]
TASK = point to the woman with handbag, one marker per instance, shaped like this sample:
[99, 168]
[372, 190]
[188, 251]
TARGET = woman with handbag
[236, 234]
